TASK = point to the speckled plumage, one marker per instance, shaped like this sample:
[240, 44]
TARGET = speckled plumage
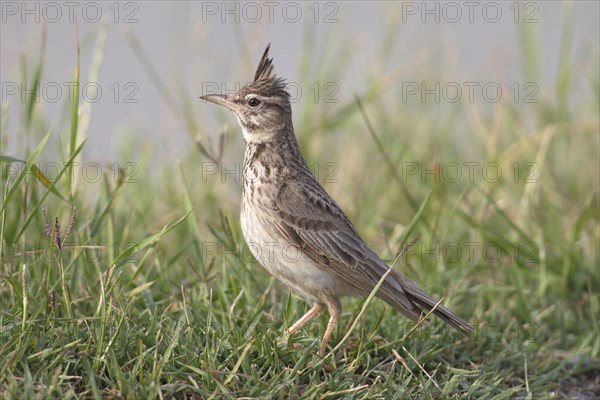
[294, 228]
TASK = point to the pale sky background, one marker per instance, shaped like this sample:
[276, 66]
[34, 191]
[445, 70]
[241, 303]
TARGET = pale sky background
[191, 43]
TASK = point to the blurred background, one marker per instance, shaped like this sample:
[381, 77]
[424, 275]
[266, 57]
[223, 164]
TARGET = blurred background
[158, 57]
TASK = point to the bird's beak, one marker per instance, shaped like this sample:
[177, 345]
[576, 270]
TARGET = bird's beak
[220, 99]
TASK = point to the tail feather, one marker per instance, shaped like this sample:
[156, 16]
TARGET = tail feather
[423, 301]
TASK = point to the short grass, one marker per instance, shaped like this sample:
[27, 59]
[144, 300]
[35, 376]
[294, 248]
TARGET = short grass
[153, 293]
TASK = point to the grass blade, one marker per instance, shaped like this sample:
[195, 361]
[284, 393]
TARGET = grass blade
[21, 176]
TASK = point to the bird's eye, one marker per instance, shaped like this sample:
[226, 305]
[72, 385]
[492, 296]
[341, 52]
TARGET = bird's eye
[253, 102]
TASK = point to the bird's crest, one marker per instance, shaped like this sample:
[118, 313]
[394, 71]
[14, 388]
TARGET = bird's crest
[265, 67]
[266, 80]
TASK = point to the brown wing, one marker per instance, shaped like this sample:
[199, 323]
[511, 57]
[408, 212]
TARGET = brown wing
[309, 218]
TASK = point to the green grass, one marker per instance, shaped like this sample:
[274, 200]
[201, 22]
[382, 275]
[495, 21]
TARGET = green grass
[154, 295]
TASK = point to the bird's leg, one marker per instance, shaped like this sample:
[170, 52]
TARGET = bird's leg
[316, 310]
[335, 309]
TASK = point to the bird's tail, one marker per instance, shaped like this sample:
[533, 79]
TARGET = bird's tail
[417, 296]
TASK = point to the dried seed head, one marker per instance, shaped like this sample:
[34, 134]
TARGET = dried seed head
[52, 299]
[47, 227]
[71, 224]
[57, 238]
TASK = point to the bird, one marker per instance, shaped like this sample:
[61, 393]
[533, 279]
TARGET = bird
[294, 228]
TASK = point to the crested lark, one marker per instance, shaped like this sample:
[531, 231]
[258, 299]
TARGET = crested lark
[283, 205]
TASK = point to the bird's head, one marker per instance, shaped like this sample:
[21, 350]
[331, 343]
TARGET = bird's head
[262, 107]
